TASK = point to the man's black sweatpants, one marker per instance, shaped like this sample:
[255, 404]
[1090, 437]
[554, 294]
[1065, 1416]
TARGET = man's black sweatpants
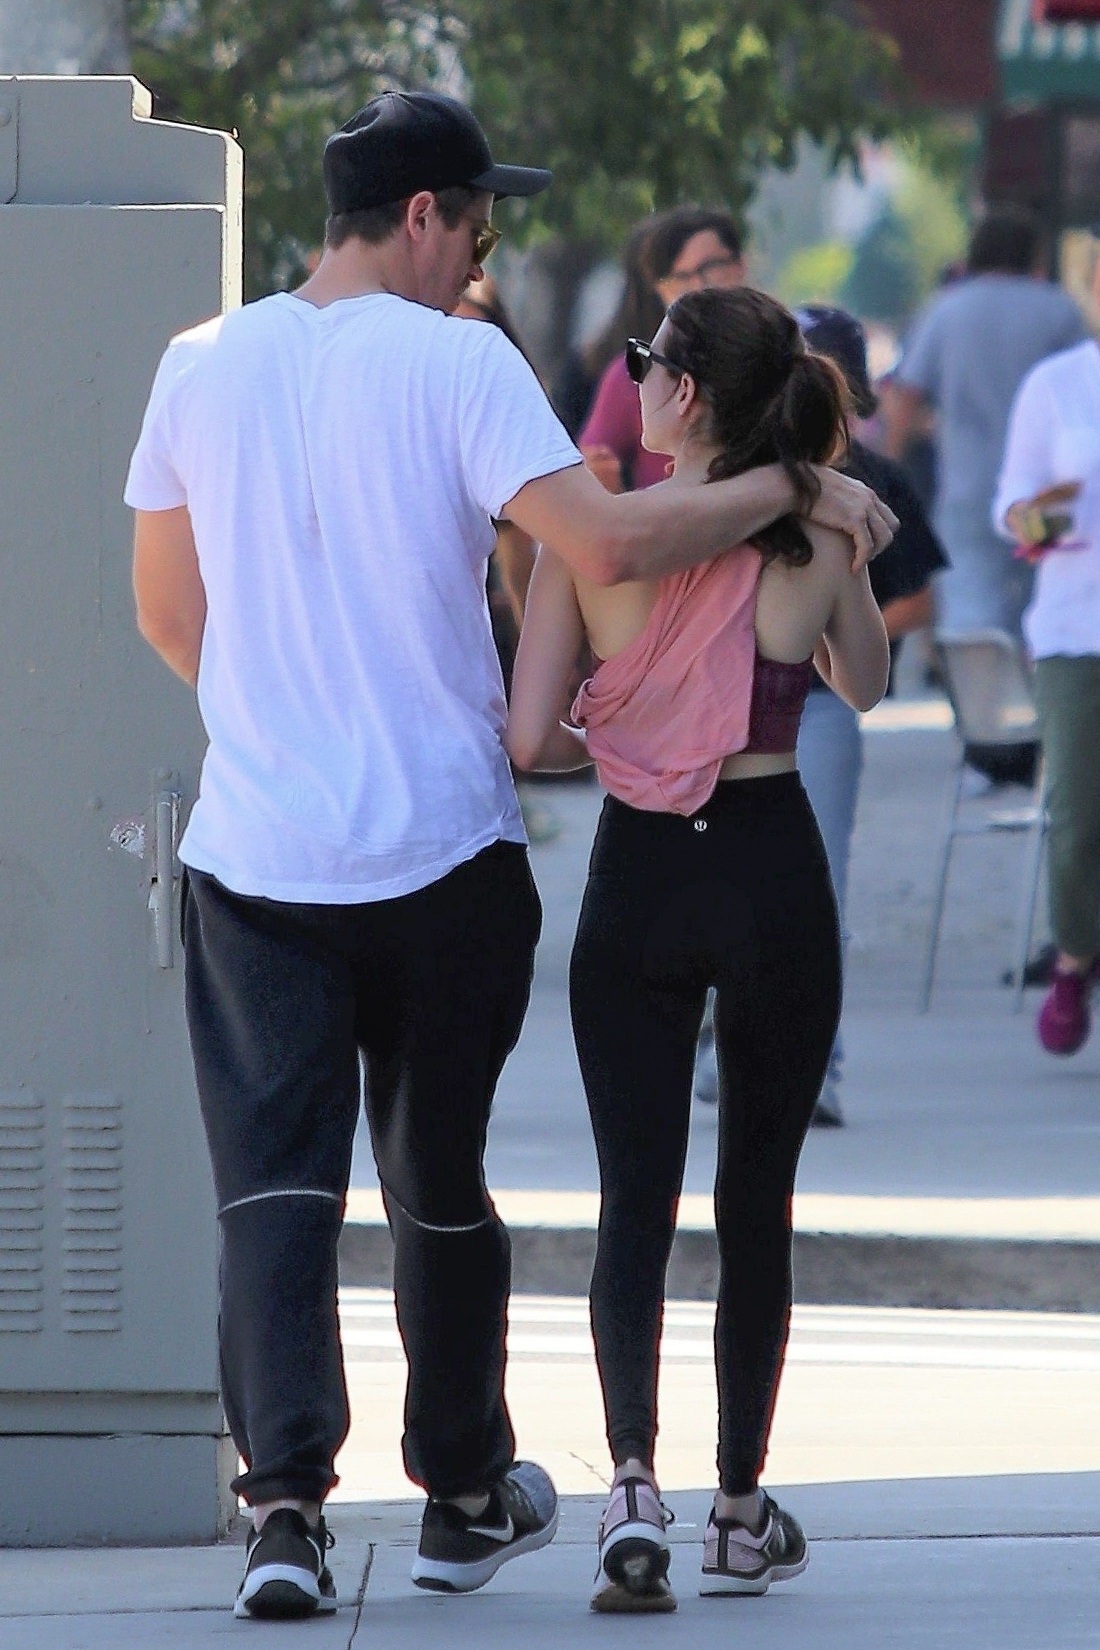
[282, 1001]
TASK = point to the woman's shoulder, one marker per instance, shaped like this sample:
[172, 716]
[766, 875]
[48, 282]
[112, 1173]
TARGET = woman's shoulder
[832, 556]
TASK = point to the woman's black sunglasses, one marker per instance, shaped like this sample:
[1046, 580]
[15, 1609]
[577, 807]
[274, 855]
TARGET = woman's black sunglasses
[640, 357]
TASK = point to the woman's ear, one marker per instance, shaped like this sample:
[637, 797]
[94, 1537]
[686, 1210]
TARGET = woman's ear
[688, 398]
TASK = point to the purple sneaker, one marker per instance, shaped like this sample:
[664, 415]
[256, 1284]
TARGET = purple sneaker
[1064, 1019]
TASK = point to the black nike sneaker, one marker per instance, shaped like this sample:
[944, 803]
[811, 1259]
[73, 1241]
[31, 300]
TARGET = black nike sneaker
[459, 1553]
[737, 1561]
[286, 1576]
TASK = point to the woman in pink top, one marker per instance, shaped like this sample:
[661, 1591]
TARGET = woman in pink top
[707, 871]
[686, 249]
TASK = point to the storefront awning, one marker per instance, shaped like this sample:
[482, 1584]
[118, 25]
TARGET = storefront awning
[1046, 62]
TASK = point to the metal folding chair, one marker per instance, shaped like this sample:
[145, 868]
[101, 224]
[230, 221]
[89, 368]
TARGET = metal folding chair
[988, 681]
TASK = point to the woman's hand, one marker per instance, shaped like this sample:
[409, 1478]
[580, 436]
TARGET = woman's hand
[851, 508]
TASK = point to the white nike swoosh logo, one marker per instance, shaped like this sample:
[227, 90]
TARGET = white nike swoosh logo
[503, 1532]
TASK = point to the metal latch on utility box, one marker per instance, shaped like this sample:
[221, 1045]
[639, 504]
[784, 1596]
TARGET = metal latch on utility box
[9, 141]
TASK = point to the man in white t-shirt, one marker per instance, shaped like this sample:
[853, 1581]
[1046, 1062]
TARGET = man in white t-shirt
[314, 484]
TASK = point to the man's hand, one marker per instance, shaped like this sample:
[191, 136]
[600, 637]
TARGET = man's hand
[605, 466]
[850, 507]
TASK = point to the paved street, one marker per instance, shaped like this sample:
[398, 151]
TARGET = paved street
[868, 1395]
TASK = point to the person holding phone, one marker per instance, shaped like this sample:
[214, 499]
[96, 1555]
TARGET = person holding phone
[1048, 499]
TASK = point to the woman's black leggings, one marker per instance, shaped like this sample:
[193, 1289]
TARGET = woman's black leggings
[737, 897]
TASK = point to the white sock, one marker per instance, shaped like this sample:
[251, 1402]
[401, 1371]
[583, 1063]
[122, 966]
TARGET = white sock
[310, 1511]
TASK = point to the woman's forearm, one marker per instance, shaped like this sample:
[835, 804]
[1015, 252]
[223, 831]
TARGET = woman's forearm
[561, 750]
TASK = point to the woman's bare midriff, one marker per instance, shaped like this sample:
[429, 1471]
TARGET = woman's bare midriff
[762, 766]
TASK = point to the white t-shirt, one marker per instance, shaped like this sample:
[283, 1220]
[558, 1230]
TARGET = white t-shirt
[1053, 436]
[340, 466]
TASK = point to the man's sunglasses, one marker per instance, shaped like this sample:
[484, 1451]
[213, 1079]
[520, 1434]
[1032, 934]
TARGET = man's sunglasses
[485, 238]
[640, 357]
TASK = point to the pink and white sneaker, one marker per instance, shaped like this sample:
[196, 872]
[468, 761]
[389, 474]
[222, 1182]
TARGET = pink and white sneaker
[736, 1561]
[634, 1554]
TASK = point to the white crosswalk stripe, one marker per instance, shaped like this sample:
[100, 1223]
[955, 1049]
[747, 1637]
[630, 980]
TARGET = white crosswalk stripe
[557, 1327]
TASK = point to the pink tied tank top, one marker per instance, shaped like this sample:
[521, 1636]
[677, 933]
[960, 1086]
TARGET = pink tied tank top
[662, 715]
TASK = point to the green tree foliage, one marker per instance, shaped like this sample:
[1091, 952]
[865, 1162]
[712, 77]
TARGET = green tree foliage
[635, 103]
[936, 221]
[638, 104]
[815, 274]
[282, 77]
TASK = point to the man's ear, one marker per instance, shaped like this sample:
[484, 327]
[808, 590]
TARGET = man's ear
[418, 214]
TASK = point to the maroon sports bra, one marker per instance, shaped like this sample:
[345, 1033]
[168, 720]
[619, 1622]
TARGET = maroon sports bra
[775, 710]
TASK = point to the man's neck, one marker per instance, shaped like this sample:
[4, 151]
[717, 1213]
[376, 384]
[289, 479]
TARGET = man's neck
[356, 270]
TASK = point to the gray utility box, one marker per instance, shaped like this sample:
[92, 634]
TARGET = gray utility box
[115, 232]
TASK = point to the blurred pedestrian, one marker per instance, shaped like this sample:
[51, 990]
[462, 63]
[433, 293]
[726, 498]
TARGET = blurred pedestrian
[1048, 498]
[707, 873]
[512, 561]
[686, 250]
[637, 315]
[965, 358]
[513, 558]
[830, 740]
[314, 486]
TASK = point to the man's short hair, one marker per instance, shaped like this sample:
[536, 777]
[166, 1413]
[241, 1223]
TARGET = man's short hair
[1007, 241]
[674, 229]
[376, 224]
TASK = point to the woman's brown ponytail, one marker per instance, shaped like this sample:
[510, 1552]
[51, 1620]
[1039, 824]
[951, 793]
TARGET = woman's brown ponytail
[771, 400]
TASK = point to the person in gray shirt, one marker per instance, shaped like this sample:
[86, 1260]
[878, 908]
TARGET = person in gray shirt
[966, 357]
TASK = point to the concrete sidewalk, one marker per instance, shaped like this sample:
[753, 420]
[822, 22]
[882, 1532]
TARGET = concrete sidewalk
[1003, 1565]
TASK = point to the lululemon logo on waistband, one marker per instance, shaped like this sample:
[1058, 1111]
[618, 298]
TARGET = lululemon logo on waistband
[700, 824]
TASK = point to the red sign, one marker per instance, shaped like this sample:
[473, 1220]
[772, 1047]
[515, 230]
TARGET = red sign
[1066, 11]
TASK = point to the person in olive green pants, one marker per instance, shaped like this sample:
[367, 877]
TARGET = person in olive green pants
[1068, 692]
[1048, 500]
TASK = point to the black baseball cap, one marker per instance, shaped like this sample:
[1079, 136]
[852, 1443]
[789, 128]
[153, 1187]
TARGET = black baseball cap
[833, 332]
[403, 142]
